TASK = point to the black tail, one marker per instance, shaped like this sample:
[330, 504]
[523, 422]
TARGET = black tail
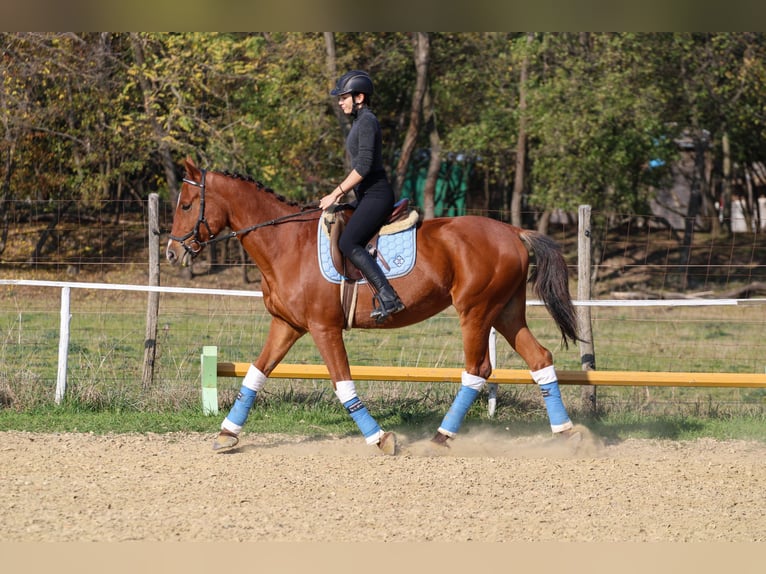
[550, 279]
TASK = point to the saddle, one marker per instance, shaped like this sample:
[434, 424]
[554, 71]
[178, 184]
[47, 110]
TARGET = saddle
[335, 221]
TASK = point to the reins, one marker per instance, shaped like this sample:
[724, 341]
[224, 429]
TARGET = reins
[196, 245]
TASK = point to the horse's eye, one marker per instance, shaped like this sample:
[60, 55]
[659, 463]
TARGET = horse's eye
[186, 206]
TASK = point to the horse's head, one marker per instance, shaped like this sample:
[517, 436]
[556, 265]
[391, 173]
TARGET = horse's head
[197, 219]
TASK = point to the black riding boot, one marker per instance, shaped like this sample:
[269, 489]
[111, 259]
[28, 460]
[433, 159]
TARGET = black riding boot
[387, 299]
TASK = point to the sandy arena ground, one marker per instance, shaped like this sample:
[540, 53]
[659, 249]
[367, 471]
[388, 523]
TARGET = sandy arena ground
[80, 487]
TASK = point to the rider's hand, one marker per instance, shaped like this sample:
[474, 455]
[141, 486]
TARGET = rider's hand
[331, 198]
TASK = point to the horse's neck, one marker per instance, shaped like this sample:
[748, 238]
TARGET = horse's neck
[253, 206]
[274, 248]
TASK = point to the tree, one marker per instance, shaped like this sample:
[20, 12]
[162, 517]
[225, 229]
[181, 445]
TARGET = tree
[332, 73]
[58, 94]
[595, 121]
[160, 134]
[521, 145]
[551, 120]
[475, 85]
[421, 53]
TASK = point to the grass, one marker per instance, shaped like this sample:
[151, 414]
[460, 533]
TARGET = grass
[415, 418]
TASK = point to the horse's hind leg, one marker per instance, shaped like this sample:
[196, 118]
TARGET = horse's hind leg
[478, 367]
[513, 326]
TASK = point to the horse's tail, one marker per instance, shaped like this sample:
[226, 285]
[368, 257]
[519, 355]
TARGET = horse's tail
[550, 280]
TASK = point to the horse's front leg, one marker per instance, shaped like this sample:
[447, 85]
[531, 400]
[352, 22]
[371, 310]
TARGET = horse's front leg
[281, 337]
[330, 343]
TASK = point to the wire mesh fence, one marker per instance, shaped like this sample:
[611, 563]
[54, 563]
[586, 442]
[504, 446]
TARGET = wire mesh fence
[634, 259]
[107, 338]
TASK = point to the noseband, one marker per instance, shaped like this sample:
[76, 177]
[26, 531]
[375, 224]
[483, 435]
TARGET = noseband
[196, 244]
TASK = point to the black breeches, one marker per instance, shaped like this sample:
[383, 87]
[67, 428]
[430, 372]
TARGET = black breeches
[371, 213]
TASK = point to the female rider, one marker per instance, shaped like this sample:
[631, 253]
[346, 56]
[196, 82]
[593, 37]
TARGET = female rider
[375, 197]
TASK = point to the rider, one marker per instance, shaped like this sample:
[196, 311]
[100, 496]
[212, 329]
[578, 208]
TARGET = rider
[374, 194]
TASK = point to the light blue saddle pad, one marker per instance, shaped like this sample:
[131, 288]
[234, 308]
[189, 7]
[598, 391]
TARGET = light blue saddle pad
[397, 249]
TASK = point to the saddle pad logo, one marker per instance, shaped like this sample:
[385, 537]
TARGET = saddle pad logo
[398, 250]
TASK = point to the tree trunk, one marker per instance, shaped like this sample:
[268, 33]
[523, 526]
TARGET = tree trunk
[544, 221]
[521, 144]
[751, 207]
[5, 197]
[726, 178]
[695, 203]
[434, 165]
[163, 149]
[422, 50]
[332, 74]
[49, 231]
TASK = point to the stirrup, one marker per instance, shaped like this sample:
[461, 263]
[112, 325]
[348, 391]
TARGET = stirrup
[383, 310]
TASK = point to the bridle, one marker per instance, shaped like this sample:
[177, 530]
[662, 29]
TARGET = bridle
[196, 244]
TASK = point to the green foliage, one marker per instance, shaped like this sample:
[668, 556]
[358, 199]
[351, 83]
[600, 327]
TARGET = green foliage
[415, 418]
[95, 116]
[596, 119]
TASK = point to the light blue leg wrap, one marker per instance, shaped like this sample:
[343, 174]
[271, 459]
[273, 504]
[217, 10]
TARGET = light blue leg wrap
[346, 393]
[363, 419]
[549, 387]
[463, 401]
[557, 412]
[252, 383]
[243, 404]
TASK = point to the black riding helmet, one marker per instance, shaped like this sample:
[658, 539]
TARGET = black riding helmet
[355, 81]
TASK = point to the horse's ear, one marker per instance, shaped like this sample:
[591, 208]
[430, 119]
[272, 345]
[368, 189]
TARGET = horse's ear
[190, 165]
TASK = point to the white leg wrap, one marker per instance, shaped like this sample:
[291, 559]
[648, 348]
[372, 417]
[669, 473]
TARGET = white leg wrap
[254, 379]
[472, 381]
[374, 439]
[231, 427]
[562, 427]
[545, 375]
[345, 391]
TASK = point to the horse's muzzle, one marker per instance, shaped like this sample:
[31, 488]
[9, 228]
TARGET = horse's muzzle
[178, 254]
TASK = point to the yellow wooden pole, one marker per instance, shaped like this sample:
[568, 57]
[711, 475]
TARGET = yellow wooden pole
[511, 376]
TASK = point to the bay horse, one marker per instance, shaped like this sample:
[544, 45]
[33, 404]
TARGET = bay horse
[477, 264]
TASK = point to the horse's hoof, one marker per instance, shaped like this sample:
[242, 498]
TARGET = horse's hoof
[440, 439]
[570, 437]
[225, 440]
[387, 443]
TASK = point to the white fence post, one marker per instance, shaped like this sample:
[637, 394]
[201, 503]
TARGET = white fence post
[63, 345]
[492, 387]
